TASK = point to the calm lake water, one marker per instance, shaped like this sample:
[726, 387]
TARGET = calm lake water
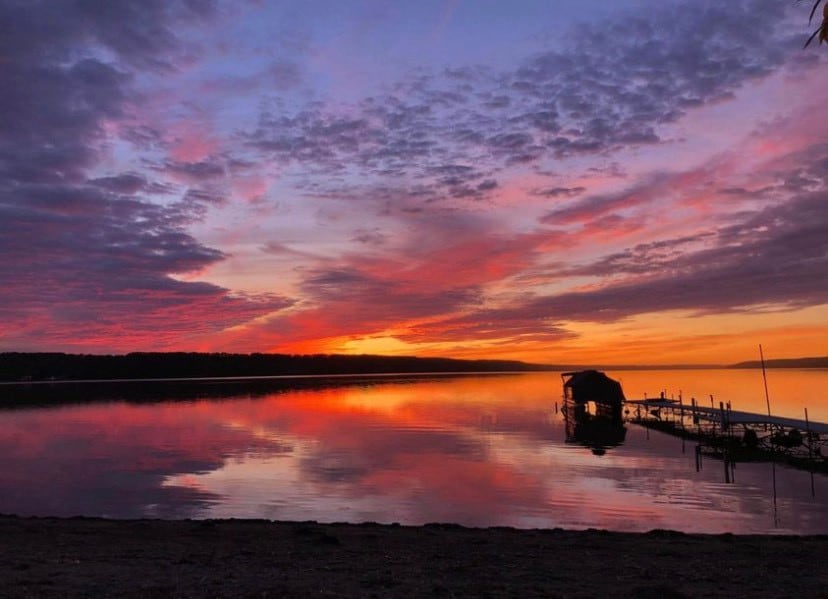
[476, 450]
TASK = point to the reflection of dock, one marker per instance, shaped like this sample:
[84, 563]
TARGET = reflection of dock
[735, 435]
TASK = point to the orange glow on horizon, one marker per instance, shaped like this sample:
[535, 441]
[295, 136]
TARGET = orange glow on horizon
[644, 340]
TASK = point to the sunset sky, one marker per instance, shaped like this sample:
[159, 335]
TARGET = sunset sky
[558, 181]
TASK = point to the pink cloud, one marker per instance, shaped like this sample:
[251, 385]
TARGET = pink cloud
[193, 145]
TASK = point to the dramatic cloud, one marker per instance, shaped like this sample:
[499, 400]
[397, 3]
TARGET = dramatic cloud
[210, 175]
[87, 261]
[773, 258]
[611, 88]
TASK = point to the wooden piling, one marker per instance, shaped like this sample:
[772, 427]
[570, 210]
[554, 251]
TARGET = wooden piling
[810, 452]
[726, 466]
[765, 380]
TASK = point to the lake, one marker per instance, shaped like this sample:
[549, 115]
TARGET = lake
[480, 450]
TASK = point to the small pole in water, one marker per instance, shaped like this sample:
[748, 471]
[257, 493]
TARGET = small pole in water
[765, 379]
[726, 467]
[810, 453]
[712, 421]
[773, 463]
[775, 511]
[725, 447]
[712, 415]
[696, 420]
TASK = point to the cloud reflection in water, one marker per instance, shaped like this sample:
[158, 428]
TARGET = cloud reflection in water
[474, 450]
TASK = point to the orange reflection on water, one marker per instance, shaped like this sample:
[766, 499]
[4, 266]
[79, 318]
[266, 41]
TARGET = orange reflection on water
[482, 450]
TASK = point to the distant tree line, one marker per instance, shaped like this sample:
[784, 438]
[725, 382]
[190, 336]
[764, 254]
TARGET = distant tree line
[19, 366]
[786, 363]
[15, 366]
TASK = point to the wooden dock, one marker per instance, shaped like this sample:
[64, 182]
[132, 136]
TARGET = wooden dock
[731, 435]
[732, 416]
[736, 435]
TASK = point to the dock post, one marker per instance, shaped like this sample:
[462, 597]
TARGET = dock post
[712, 420]
[810, 452]
[765, 380]
[808, 432]
[726, 467]
[723, 426]
[723, 416]
[696, 420]
[712, 417]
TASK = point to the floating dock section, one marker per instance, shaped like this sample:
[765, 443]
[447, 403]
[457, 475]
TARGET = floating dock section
[736, 435]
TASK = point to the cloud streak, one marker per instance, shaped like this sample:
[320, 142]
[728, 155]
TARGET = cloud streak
[170, 179]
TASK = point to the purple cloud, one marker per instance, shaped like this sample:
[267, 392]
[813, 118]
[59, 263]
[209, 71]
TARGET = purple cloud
[612, 87]
[87, 261]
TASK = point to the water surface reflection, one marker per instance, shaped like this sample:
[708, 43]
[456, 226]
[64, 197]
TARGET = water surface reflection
[484, 450]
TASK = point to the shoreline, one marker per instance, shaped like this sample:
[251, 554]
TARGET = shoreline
[72, 557]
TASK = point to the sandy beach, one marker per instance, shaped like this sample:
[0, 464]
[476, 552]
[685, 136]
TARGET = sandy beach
[48, 557]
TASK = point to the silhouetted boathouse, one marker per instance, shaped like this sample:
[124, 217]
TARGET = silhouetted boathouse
[585, 386]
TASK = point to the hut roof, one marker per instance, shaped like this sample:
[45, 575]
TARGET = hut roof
[592, 385]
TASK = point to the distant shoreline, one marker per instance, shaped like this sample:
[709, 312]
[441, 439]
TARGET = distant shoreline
[785, 363]
[275, 377]
[229, 558]
[21, 367]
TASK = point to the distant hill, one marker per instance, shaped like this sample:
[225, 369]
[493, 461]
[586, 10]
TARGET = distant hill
[16, 366]
[785, 363]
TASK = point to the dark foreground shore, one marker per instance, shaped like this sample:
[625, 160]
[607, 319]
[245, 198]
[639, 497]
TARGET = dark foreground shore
[45, 557]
